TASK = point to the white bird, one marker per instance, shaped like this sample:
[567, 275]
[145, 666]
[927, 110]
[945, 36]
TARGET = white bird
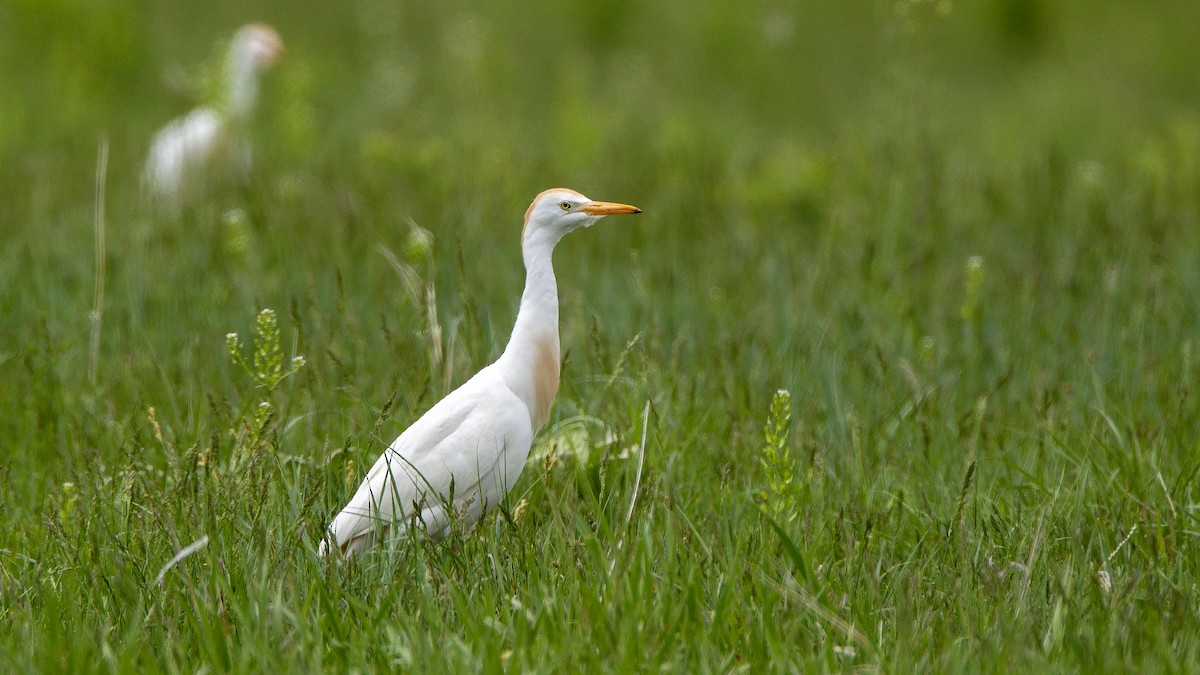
[190, 149]
[463, 456]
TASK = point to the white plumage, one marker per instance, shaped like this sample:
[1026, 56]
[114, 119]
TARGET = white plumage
[189, 150]
[462, 457]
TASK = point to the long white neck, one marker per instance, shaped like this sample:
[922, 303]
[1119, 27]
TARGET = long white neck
[530, 362]
[242, 85]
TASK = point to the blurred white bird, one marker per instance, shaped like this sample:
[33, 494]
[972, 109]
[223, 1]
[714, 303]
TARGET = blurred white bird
[463, 456]
[210, 138]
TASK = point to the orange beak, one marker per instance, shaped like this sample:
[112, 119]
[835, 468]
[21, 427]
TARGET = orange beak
[608, 209]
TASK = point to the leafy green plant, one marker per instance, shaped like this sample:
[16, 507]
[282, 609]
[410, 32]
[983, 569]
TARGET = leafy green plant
[267, 368]
[781, 498]
[266, 365]
[972, 307]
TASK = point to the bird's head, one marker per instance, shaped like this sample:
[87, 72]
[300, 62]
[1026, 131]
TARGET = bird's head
[257, 45]
[558, 211]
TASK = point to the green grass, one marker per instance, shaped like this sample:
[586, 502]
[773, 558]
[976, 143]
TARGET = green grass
[965, 244]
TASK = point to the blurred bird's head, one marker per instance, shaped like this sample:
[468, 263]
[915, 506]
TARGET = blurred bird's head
[256, 46]
[558, 211]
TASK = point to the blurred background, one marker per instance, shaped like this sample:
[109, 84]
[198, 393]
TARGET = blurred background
[809, 171]
[401, 98]
[963, 235]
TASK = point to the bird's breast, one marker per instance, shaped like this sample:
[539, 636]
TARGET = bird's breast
[545, 377]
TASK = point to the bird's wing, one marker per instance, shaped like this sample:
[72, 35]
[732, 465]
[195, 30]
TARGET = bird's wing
[464, 453]
[182, 145]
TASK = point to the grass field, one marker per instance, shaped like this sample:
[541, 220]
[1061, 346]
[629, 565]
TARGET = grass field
[963, 236]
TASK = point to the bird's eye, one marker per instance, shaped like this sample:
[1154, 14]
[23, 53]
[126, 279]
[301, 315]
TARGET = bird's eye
[565, 206]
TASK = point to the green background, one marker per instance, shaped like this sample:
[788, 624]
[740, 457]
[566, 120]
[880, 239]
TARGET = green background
[988, 471]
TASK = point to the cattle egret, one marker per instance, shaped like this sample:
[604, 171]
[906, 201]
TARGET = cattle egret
[189, 149]
[462, 456]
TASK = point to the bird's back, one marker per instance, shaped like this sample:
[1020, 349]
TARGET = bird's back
[183, 148]
[457, 461]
